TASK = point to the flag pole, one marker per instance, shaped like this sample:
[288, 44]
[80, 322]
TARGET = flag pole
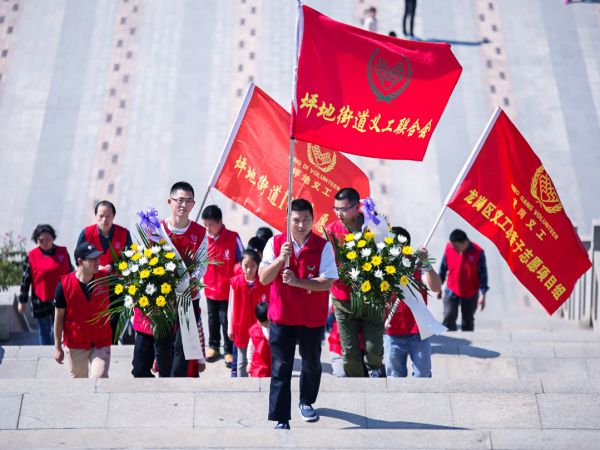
[228, 143]
[465, 169]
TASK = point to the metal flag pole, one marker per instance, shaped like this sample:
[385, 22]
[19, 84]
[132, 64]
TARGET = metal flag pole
[227, 147]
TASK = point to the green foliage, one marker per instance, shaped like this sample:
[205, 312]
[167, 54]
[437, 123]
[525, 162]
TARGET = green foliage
[12, 257]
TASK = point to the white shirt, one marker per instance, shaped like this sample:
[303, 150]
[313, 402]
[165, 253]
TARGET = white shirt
[327, 268]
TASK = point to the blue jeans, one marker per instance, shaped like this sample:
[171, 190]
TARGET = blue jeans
[46, 330]
[396, 352]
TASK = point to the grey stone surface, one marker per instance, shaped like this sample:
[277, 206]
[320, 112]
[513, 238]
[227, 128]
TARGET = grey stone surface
[478, 368]
[416, 411]
[544, 439]
[521, 349]
[465, 385]
[495, 410]
[593, 367]
[18, 368]
[562, 385]
[57, 385]
[542, 367]
[581, 350]
[226, 410]
[150, 410]
[579, 411]
[10, 407]
[77, 410]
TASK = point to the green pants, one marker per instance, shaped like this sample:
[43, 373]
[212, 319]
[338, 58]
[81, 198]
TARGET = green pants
[372, 332]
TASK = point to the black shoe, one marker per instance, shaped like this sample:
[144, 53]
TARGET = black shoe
[308, 413]
[282, 426]
[376, 373]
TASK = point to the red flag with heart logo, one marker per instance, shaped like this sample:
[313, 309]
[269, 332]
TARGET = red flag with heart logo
[254, 167]
[508, 196]
[368, 94]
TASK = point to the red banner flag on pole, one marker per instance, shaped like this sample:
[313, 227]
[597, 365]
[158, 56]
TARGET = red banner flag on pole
[369, 94]
[507, 196]
[253, 169]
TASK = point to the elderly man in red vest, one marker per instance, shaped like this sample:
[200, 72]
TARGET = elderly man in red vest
[467, 284]
[297, 311]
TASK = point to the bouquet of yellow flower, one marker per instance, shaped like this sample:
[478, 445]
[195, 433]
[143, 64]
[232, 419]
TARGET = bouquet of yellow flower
[148, 277]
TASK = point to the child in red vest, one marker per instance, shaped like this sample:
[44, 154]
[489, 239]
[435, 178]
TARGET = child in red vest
[224, 247]
[259, 350]
[246, 292]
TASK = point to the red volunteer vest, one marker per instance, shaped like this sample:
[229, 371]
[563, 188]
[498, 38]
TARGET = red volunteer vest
[339, 290]
[246, 298]
[463, 277]
[118, 242]
[216, 278]
[295, 306]
[46, 271]
[79, 332]
[260, 366]
[186, 244]
[335, 346]
[403, 321]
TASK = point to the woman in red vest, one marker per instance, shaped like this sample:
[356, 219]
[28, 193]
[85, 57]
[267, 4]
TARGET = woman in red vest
[43, 268]
[246, 292]
[87, 341]
[259, 349]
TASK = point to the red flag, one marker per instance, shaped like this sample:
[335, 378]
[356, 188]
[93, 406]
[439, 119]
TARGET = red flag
[369, 94]
[508, 197]
[254, 171]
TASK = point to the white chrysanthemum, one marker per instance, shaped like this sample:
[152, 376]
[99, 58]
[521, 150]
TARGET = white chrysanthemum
[143, 261]
[351, 244]
[128, 253]
[126, 272]
[167, 248]
[365, 252]
[134, 268]
[155, 250]
[128, 301]
[357, 236]
[380, 245]
[354, 273]
[395, 251]
[406, 262]
[378, 274]
[402, 239]
[150, 289]
[170, 266]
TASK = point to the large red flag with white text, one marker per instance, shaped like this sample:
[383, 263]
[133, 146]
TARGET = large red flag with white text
[508, 196]
[254, 167]
[366, 93]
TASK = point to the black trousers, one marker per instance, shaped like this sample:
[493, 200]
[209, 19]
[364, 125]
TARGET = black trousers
[283, 339]
[410, 7]
[180, 364]
[145, 349]
[467, 306]
[217, 322]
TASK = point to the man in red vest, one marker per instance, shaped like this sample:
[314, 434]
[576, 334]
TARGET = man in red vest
[351, 220]
[224, 247]
[301, 272]
[467, 284]
[87, 341]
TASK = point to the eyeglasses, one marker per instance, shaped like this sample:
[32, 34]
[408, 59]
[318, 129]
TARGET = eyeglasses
[344, 209]
[184, 201]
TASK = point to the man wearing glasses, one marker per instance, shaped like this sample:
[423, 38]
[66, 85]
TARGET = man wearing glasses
[350, 220]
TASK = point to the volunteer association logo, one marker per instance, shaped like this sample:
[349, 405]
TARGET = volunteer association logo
[324, 161]
[543, 191]
[389, 81]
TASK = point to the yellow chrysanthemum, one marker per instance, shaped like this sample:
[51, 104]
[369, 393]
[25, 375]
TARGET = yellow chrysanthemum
[388, 240]
[136, 256]
[119, 289]
[390, 270]
[153, 261]
[134, 247]
[159, 271]
[385, 286]
[122, 266]
[407, 250]
[147, 252]
[366, 286]
[170, 255]
[403, 280]
[349, 237]
[367, 267]
[351, 255]
[165, 288]
[369, 235]
[361, 243]
[162, 242]
[376, 260]
[144, 301]
[161, 301]
[144, 274]
[132, 289]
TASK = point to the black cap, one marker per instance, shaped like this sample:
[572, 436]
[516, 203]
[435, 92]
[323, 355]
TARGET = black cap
[85, 250]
